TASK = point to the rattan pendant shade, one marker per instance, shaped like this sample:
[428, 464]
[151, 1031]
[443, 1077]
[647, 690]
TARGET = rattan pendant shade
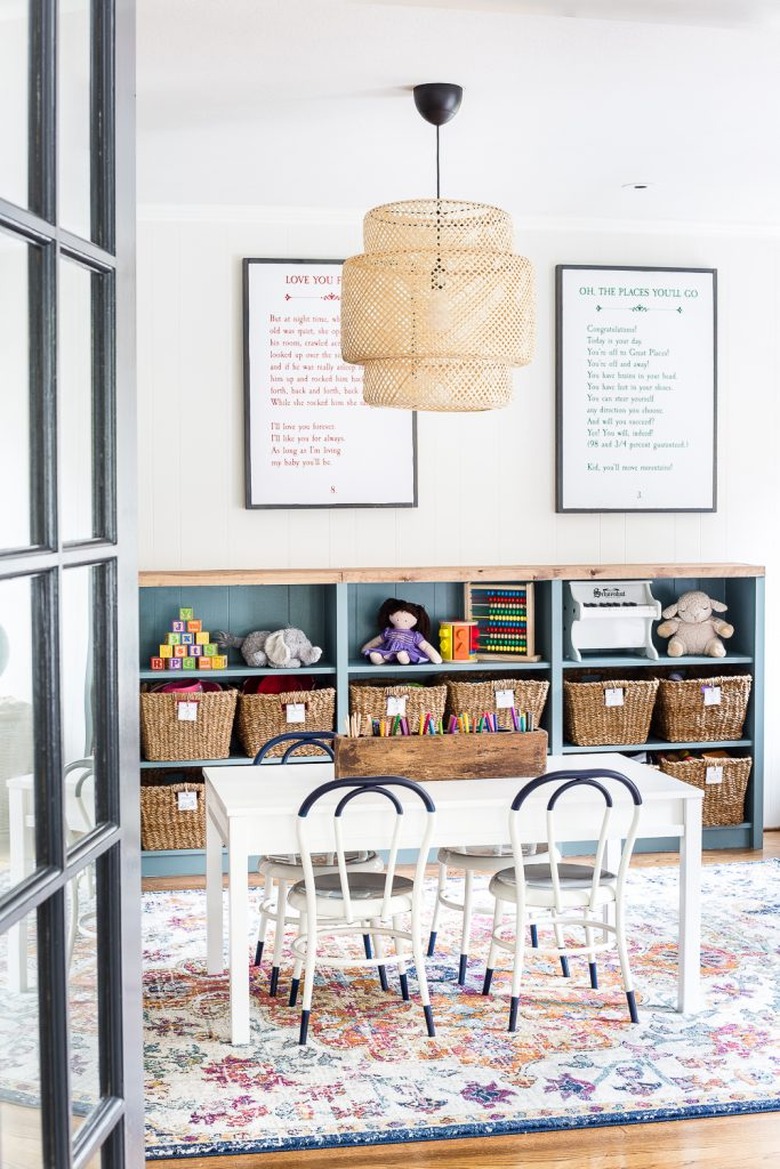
[437, 309]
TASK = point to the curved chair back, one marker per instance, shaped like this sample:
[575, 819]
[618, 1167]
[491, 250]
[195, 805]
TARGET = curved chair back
[385, 812]
[613, 810]
[294, 740]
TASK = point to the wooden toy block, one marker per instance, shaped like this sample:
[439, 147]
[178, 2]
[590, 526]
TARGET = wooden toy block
[189, 663]
[180, 651]
[166, 651]
[196, 651]
[202, 638]
[158, 663]
[211, 649]
[194, 626]
[174, 663]
[173, 638]
[203, 663]
[177, 626]
[219, 662]
[188, 638]
[185, 614]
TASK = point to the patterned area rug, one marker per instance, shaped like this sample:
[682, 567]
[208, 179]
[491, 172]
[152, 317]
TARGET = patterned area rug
[369, 1074]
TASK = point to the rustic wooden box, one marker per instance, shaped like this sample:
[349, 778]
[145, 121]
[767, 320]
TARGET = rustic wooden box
[485, 756]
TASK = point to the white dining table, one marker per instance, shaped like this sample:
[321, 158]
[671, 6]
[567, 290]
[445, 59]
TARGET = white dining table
[251, 811]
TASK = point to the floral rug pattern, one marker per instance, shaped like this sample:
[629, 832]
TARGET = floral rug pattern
[369, 1074]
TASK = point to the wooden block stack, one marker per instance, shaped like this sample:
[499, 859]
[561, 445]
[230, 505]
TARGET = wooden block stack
[188, 646]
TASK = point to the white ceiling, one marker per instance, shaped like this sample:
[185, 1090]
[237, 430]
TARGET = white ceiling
[302, 103]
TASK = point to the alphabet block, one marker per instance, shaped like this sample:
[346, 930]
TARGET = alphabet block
[194, 626]
[202, 638]
[196, 651]
[189, 663]
[185, 614]
[158, 663]
[180, 651]
[203, 663]
[177, 626]
[210, 649]
[173, 638]
[219, 662]
[188, 638]
[166, 651]
[174, 663]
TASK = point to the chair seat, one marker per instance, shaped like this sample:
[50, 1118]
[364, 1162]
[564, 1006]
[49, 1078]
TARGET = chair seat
[290, 868]
[362, 886]
[575, 883]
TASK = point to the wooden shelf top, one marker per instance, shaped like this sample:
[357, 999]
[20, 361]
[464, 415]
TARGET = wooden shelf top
[191, 578]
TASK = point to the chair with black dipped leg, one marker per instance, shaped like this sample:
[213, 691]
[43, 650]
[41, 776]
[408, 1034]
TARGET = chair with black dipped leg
[280, 872]
[344, 906]
[603, 805]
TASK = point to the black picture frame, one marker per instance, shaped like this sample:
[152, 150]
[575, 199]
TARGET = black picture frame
[636, 388]
[309, 439]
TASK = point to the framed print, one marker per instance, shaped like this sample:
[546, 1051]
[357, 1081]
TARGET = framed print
[636, 378]
[310, 440]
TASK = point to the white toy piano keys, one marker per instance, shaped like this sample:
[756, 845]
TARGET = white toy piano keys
[609, 616]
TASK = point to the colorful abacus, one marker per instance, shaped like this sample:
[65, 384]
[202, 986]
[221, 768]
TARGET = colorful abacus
[504, 617]
[188, 646]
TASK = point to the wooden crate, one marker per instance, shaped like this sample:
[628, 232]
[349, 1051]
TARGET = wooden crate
[504, 613]
[484, 756]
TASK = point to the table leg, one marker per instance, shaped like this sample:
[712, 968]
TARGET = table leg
[238, 919]
[214, 922]
[689, 968]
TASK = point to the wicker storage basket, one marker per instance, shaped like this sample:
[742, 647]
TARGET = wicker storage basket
[372, 702]
[590, 722]
[167, 820]
[476, 698]
[724, 801]
[166, 736]
[681, 715]
[261, 716]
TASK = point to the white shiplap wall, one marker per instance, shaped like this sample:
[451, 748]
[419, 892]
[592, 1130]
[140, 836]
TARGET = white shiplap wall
[486, 482]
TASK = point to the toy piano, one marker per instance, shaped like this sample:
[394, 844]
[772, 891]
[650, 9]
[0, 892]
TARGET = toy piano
[609, 616]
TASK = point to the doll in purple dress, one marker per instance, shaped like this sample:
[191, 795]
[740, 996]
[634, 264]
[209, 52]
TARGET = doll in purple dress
[404, 637]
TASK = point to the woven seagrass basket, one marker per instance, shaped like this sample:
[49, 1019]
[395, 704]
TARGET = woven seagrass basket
[682, 714]
[165, 736]
[724, 802]
[417, 701]
[262, 716]
[167, 822]
[590, 722]
[477, 698]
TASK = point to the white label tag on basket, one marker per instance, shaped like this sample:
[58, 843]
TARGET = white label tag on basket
[296, 712]
[187, 801]
[713, 774]
[613, 696]
[187, 712]
[505, 699]
[396, 704]
[711, 697]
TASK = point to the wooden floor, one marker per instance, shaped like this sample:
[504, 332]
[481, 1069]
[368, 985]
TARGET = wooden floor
[739, 1142]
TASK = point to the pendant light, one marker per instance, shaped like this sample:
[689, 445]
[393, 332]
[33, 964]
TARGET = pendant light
[438, 308]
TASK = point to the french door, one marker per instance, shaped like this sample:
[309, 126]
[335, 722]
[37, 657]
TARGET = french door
[70, 1059]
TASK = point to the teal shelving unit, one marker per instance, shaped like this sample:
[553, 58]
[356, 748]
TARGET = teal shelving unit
[337, 610]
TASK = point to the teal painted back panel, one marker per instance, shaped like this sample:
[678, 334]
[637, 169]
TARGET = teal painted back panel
[240, 609]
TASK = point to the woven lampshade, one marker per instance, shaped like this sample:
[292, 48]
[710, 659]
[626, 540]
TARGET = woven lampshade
[437, 309]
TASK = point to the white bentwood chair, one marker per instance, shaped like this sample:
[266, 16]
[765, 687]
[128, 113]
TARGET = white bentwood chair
[473, 861]
[280, 872]
[576, 896]
[347, 904]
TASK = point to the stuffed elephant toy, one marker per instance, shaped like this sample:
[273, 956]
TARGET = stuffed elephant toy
[282, 648]
[692, 628]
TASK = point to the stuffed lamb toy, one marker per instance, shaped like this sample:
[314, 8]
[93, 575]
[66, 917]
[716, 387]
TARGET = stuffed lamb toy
[692, 628]
[282, 648]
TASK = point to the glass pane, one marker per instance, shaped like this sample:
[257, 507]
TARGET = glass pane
[15, 392]
[14, 55]
[82, 994]
[78, 695]
[74, 116]
[75, 401]
[17, 845]
[20, 1085]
